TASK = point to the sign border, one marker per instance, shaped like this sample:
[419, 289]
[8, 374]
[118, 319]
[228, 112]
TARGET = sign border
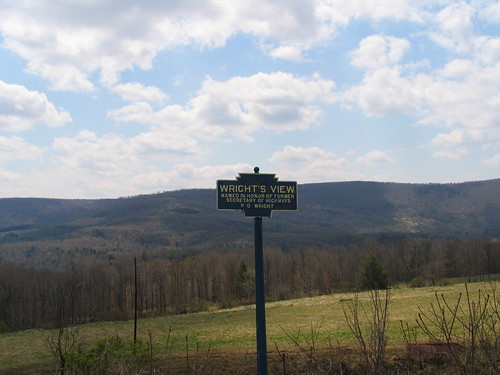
[257, 174]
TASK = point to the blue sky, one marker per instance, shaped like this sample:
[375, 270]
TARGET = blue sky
[115, 98]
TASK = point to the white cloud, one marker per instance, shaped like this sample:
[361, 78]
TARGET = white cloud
[458, 33]
[14, 184]
[64, 77]
[374, 158]
[491, 12]
[451, 154]
[494, 161]
[165, 145]
[86, 135]
[12, 148]
[319, 171]
[186, 175]
[237, 107]
[288, 52]
[385, 91]
[310, 164]
[467, 95]
[456, 27]
[137, 112]
[86, 183]
[21, 109]
[462, 96]
[487, 50]
[377, 51]
[113, 155]
[9, 177]
[113, 165]
[286, 28]
[135, 91]
[300, 155]
[107, 37]
[69, 41]
[340, 13]
[467, 136]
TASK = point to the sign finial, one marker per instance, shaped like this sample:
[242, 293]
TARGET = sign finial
[256, 169]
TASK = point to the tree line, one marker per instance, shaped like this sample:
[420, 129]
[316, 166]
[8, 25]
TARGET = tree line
[105, 290]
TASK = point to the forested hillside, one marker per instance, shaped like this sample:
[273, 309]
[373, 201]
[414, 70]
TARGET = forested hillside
[71, 261]
[51, 233]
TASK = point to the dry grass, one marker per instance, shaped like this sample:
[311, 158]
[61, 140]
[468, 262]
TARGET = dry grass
[233, 331]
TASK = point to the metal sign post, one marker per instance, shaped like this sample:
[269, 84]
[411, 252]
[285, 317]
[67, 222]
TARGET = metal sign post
[257, 195]
[260, 299]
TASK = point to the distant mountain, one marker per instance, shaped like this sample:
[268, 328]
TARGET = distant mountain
[34, 230]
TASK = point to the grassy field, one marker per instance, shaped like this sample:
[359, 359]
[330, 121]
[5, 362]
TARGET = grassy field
[233, 330]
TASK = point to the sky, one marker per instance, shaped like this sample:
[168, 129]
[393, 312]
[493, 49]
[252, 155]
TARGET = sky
[114, 98]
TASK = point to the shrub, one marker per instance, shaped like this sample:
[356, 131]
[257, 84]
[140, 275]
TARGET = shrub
[469, 329]
[4, 328]
[107, 356]
[116, 314]
[368, 325]
[417, 282]
[445, 282]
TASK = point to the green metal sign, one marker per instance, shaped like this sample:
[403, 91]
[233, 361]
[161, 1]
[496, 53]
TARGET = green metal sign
[257, 195]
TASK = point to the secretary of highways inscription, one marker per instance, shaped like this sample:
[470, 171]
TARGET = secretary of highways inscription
[257, 195]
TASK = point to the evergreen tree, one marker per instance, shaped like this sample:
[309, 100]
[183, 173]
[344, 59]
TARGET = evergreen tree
[371, 274]
[241, 281]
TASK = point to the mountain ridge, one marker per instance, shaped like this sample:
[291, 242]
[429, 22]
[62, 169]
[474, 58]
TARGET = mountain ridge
[329, 213]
